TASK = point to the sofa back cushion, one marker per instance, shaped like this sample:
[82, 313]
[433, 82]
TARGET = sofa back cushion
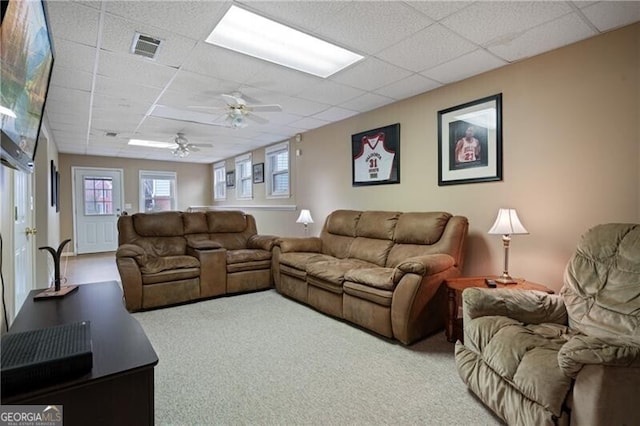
[338, 232]
[162, 246]
[420, 228]
[377, 224]
[195, 223]
[602, 282]
[231, 229]
[372, 250]
[162, 224]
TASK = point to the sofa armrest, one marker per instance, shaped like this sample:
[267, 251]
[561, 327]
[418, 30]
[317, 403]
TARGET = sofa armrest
[427, 265]
[263, 242]
[612, 351]
[131, 279]
[203, 244]
[308, 244]
[130, 250]
[527, 306]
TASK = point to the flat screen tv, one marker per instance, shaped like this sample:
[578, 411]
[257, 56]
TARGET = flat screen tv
[27, 60]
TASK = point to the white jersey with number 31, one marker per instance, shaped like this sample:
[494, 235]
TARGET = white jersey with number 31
[375, 160]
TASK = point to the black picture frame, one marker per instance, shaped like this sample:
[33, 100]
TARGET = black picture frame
[231, 179]
[375, 156]
[52, 178]
[258, 173]
[470, 142]
[57, 191]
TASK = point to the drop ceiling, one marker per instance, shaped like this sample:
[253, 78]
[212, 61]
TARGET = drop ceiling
[99, 87]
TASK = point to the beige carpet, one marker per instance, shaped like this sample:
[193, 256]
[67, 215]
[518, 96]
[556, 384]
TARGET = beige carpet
[260, 358]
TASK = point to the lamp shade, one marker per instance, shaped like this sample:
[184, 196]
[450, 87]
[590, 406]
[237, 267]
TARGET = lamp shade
[507, 223]
[305, 217]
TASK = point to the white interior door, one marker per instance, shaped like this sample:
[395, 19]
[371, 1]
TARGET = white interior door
[24, 239]
[97, 202]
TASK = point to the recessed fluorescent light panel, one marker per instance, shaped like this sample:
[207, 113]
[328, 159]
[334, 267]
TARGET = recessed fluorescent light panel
[254, 35]
[152, 144]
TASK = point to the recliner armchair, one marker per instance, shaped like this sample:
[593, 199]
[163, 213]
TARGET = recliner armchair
[572, 358]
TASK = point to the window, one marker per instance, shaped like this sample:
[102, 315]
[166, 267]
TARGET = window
[98, 196]
[157, 191]
[277, 170]
[219, 181]
[244, 181]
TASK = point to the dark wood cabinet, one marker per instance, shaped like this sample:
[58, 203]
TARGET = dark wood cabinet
[120, 387]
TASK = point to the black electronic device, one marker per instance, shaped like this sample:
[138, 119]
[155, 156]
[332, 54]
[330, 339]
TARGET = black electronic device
[36, 358]
[491, 283]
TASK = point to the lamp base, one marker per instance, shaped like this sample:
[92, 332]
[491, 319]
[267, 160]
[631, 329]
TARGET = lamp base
[506, 280]
[51, 293]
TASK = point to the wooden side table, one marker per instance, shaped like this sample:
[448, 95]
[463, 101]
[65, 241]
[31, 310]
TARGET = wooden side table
[455, 286]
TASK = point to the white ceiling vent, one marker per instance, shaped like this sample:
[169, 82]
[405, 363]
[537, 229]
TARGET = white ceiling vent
[146, 46]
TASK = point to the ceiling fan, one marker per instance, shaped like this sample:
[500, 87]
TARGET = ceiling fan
[239, 111]
[182, 147]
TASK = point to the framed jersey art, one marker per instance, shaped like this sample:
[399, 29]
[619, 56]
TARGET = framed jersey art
[470, 142]
[376, 156]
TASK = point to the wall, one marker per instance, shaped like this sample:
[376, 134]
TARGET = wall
[571, 156]
[194, 182]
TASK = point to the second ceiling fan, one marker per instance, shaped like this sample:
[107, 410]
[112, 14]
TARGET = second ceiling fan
[239, 111]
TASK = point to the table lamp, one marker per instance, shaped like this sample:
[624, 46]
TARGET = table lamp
[305, 218]
[507, 224]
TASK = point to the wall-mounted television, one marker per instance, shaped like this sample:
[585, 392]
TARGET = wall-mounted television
[26, 55]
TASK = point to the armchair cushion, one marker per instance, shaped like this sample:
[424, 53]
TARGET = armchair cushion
[582, 350]
[154, 265]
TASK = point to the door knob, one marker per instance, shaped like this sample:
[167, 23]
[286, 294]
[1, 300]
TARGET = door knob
[30, 231]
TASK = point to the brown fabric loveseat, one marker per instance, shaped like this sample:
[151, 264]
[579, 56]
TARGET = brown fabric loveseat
[380, 270]
[173, 257]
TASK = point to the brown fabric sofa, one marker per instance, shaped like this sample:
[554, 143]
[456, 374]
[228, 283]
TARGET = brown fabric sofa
[573, 358]
[173, 257]
[380, 270]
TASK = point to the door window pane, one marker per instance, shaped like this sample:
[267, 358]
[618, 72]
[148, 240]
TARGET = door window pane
[98, 195]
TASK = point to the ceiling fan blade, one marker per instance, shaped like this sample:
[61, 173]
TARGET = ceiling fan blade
[232, 100]
[193, 148]
[265, 108]
[207, 107]
[257, 118]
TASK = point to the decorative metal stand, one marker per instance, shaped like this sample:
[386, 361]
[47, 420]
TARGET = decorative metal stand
[57, 290]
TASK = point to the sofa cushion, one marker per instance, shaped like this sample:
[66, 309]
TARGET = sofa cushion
[420, 228]
[164, 224]
[226, 221]
[162, 246]
[333, 270]
[371, 250]
[525, 356]
[382, 278]
[300, 260]
[171, 276]
[377, 224]
[378, 296]
[343, 222]
[401, 252]
[166, 263]
[231, 241]
[195, 223]
[248, 266]
[247, 255]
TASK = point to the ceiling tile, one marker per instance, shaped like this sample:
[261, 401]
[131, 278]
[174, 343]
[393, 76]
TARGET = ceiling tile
[490, 22]
[427, 49]
[189, 88]
[63, 95]
[119, 34]
[464, 66]
[221, 63]
[85, 19]
[565, 30]
[607, 15]
[75, 56]
[277, 78]
[370, 74]
[308, 123]
[194, 19]
[71, 78]
[134, 69]
[437, 10]
[303, 107]
[408, 87]
[335, 114]
[126, 90]
[329, 92]
[301, 15]
[372, 26]
[367, 102]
